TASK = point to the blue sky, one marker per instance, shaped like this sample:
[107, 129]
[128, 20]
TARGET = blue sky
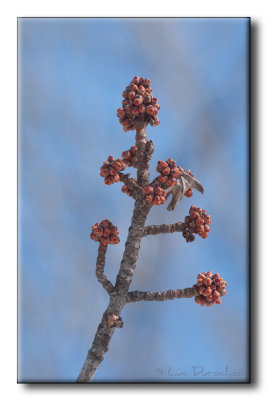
[71, 76]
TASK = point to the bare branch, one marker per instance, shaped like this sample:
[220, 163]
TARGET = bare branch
[164, 228]
[162, 296]
[143, 160]
[149, 150]
[100, 265]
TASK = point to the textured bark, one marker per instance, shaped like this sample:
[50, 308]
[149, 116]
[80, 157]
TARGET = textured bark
[141, 210]
[164, 228]
[142, 155]
[130, 183]
[100, 264]
[118, 298]
[162, 296]
[101, 341]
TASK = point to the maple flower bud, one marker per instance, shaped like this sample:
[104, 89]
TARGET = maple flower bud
[211, 288]
[158, 191]
[120, 112]
[150, 110]
[189, 193]
[110, 170]
[156, 201]
[154, 194]
[129, 157]
[148, 190]
[169, 172]
[149, 198]
[137, 98]
[131, 95]
[142, 109]
[195, 223]
[105, 232]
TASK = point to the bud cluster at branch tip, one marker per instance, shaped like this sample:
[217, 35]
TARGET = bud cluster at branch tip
[154, 195]
[105, 232]
[138, 104]
[110, 170]
[211, 288]
[169, 172]
[196, 222]
[130, 157]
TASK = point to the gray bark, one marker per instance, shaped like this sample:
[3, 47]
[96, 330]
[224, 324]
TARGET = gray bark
[118, 298]
[164, 228]
[162, 296]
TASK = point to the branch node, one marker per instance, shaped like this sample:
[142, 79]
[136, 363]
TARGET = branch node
[114, 321]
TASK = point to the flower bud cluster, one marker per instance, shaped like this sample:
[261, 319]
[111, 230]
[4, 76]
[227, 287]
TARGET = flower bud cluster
[196, 222]
[154, 195]
[129, 157]
[126, 190]
[111, 168]
[169, 172]
[211, 288]
[105, 232]
[138, 103]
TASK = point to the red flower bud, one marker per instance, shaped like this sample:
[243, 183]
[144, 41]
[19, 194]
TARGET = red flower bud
[149, 199]
[142, 109]
[156, 201]
[138, 100]
[150, 110]
[131, 95]
[148, 189]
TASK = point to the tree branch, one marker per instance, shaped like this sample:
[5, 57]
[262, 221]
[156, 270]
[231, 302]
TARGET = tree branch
[141, 209]
[142, 157]
[162, 296]
[130, 183]
[164, 228]
[100, 265]
[124, 278]
[149, 150]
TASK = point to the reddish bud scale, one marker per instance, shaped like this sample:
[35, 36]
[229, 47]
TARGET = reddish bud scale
[169, 172]
[105, 232]
[129, 156]
[211, 288]
[197, 222]
[189, 193]
[138, 99]
[110, 170]
[154, 195]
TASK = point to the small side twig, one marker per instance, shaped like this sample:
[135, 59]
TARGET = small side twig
[164, 228]
[130, 183]
[149, 150]
[162, 296]
[100, 265]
